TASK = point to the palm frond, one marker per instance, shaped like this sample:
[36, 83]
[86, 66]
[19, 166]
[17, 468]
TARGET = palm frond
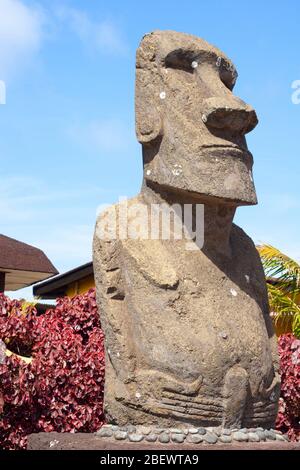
[280, 303]
[280, 266]
[283, 286]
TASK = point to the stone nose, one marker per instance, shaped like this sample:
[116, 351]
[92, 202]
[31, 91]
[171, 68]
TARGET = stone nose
[229, 113]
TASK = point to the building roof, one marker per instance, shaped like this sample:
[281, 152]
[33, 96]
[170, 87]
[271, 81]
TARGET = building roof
[23, 264]
[56, 287]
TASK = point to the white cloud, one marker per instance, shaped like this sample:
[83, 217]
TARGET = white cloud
[110, 135]
[20, 35]
[103, 36]
[23, 30]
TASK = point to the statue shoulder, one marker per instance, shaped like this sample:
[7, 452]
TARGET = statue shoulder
[116, 250]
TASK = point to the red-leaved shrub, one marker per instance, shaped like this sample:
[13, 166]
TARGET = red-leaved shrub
[62, 388]
[288, 420]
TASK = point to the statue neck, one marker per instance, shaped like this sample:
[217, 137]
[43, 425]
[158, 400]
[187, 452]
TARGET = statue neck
[217, 217]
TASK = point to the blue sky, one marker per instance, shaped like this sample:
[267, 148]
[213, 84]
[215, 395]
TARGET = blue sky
[67, 141]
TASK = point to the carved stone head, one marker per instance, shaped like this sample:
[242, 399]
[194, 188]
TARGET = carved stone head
[189, 122]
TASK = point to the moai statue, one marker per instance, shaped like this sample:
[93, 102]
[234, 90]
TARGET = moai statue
[189, 340]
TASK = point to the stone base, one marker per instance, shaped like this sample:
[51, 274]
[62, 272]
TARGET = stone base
[81, 441]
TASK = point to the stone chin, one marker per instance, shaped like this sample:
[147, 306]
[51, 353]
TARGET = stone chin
[216, 175]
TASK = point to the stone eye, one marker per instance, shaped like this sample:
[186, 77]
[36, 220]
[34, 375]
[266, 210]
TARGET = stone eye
[181, 60]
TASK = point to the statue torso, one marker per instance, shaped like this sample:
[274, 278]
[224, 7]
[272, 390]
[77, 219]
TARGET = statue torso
[178, 322]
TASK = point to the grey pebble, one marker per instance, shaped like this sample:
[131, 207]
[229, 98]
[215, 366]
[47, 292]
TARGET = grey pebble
[261, 434]
[177, 438]
[279, 437]
[201, 431]
[270, 435]
[164, 438]
[120, 435]
[175, 431]
[105, 432]
[193, 430]
[194, 438]
[151, 437]
[136, 437]
[253, 437]
[144, 430]
[226, 432]
[131, 428]
[240, 436]
[210, 438]
[225, 439]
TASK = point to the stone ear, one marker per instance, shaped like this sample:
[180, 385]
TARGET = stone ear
[148, 119]
[148, 124]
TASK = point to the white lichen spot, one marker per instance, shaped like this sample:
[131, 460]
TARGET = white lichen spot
[177, 170]
[118, 354]
[148, 172]
[219, 60]
[216, 159]
[250, 175]
[194, 64]
[247, 277]
[162, 95]
[233, 292]
[138, 395]
[204, 118]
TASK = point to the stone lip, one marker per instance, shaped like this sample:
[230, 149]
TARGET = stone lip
[82, 441]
